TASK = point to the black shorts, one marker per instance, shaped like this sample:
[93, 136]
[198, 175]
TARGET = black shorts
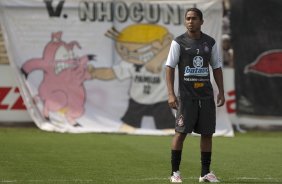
[196, 115]
[162, 114]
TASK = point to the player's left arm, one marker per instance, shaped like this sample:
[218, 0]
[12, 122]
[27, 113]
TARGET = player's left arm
[217, 73]
[216, 64]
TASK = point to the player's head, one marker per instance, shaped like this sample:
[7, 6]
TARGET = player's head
[193, 20]
[197, 11]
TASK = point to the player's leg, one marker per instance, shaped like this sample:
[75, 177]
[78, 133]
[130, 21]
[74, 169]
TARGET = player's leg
[185, 120]
[176, 150]
[176, 153]
[206, 127]
[206, 151]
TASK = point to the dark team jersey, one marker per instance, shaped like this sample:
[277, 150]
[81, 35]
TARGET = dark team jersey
[193, 57]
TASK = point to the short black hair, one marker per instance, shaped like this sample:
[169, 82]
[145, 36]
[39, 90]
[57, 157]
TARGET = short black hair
[197, 11]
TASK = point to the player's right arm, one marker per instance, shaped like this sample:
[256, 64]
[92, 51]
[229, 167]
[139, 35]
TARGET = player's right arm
[172, 61]
[172, 100]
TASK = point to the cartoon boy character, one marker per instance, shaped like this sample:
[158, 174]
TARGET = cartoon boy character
[61, 89]
[143, 49]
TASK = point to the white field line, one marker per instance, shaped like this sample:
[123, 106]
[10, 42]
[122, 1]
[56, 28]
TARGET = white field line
[269, 179]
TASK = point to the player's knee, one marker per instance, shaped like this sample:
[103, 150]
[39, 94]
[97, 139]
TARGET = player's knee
[180, 137]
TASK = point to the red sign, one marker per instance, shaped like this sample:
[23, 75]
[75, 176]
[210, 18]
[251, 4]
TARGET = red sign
[17, 104]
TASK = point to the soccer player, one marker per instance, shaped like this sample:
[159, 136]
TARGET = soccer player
[193, 52]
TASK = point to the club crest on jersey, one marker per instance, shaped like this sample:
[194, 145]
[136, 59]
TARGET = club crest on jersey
[198, 69]
[206, 48]
[198, 61]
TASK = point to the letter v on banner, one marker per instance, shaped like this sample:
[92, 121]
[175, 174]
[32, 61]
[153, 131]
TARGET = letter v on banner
[54, 12]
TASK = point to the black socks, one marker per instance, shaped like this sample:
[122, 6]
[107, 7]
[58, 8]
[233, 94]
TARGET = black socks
[206, 161]
[175, 160]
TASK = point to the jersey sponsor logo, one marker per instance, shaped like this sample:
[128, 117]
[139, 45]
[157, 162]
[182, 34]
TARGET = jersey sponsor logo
[198, 69]
[198, 85]
[195, 79]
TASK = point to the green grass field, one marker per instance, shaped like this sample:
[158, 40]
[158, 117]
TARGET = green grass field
[29, 155]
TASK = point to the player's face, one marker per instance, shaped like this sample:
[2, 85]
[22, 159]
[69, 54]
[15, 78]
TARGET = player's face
[193, 22]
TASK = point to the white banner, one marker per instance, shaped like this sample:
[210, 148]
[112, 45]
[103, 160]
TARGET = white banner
[97, 66]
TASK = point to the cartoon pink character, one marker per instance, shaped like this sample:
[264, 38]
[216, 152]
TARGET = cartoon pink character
[61, 89]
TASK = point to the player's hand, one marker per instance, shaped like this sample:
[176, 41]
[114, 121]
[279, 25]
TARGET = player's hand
[172, 101]
[220, 99]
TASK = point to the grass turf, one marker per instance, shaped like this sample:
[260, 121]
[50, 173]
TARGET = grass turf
[29, 155]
